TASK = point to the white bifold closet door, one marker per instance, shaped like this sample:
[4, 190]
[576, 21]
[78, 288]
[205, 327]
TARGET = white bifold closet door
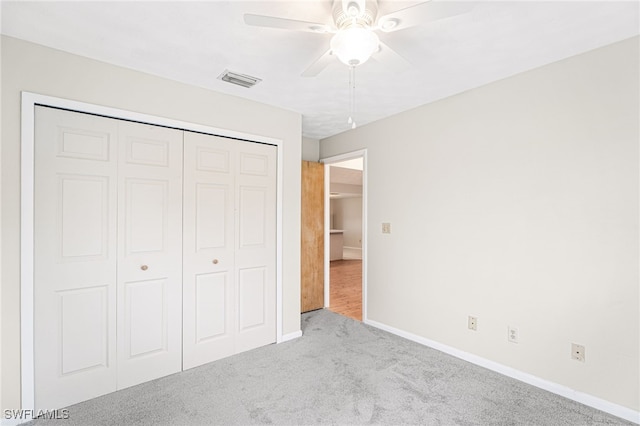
[229, 270]
[76, 161]
[149, 293]
[107, 255]
[127, 289]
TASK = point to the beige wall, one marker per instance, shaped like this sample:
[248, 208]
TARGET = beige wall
[519, 206]
[310, 149]
[33, 68]
[347, 215]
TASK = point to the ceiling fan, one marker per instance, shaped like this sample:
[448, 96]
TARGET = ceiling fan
[354, 26]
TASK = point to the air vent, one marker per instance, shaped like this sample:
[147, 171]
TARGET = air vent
[239, 79]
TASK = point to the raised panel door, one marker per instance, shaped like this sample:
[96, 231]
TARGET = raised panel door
[209, 316]
[74, 257]
[149, 253]
[255, 245]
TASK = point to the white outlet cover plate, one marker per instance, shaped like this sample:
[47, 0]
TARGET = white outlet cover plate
[577, 352]
[473, 323]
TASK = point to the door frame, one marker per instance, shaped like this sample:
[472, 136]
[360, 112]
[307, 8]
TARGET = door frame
[27, 140]
[328, 161]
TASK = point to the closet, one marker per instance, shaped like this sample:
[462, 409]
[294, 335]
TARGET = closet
[154, 252]
[229, 247]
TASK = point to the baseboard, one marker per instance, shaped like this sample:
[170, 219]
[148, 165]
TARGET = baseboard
[583, 398]
[351, 252]
[291, 336]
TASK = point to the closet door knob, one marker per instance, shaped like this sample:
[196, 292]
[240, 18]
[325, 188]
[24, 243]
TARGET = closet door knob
[215, 261]
[144, 267]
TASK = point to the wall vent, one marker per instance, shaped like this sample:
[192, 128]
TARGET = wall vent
[239, 79]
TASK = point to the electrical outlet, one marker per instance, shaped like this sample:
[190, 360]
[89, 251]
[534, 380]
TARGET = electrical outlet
[473, 323]
[512, 334]
[577, 352]
[386, 228]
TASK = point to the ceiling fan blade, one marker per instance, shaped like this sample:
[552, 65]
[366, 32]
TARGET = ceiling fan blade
[284, 24]
[390, 59]
[421, 14]
[320, 64]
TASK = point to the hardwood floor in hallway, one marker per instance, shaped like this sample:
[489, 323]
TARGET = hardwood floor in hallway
[346, 288]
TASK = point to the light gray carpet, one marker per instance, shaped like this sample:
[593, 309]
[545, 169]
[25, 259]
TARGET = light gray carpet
[340, 372]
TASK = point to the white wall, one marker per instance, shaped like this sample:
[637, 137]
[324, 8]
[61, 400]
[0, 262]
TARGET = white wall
[519, 206]
[347, 214]
[33, 68]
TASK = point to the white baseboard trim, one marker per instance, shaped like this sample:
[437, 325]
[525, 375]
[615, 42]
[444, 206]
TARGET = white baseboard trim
[291, 336]
[583, 398]
[355, 251]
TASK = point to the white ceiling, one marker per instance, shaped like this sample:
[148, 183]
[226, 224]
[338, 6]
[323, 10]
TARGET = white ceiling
[345, 175]
[346, 182]
[193, 42]
[355, 164]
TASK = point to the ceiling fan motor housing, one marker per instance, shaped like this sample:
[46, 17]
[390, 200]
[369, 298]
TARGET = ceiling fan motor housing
[343, 10]
[355, 41]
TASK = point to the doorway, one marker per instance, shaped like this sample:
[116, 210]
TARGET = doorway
[345, 235]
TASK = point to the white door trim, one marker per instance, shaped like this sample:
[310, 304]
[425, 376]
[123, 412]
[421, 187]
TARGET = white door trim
[327, 224]
[29, 101]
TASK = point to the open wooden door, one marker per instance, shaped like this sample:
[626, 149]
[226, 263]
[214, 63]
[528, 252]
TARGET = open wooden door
[312, 253]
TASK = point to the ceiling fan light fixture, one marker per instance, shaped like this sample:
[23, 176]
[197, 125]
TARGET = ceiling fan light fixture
[354, 45]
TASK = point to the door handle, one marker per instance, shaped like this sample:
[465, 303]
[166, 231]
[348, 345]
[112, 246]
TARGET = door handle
[215, 261]
[144, 267]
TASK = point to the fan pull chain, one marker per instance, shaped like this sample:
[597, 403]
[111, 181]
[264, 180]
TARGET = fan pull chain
[352, 96]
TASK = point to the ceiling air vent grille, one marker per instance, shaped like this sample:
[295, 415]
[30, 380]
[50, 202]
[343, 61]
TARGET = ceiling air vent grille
[239, 79]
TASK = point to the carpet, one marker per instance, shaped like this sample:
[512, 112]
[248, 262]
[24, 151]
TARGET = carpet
[340, 372]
